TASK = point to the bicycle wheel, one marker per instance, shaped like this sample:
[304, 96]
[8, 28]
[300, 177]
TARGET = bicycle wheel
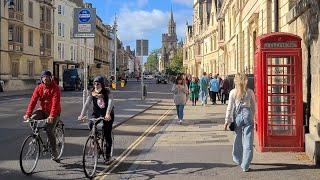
[29, 154]
[60, 138]
[90, 157]
[112, 145]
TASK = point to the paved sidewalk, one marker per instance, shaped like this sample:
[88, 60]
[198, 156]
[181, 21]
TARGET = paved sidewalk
[200, 149]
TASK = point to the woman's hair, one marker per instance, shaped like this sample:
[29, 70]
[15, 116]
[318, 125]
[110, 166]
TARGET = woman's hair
[178, 79]
[240, 81]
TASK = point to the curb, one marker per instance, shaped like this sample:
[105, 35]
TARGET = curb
[120, 123]
[23, 93]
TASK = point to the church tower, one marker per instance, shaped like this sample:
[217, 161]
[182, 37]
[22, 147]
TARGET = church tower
[169, 43]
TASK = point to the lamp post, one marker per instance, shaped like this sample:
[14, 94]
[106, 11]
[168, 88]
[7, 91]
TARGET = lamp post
[11, 6]
[115, 26]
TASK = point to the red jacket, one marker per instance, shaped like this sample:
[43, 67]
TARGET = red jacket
[49, 97]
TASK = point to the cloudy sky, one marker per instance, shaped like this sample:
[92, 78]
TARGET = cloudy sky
[144, 18]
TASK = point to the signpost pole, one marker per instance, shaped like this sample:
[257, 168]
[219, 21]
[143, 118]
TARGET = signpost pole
[85, 72]
[84, 26]
[115, 51]
[142, 84]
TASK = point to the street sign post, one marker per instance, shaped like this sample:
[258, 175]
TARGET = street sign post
[84, 22]
[84, 26]
[142, 47]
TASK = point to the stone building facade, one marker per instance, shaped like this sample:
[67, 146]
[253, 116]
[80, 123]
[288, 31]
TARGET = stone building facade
[101, 64]
[26, 42]
[69, 52]
[221, 39]
[169, 43]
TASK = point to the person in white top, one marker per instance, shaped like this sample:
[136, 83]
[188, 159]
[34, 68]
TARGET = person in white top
[241, 110]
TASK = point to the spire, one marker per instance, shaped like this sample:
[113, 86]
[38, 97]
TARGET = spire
[171, 25]
[171, 17]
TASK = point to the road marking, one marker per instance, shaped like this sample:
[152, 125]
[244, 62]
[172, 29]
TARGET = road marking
[6, 115]
[128, 151]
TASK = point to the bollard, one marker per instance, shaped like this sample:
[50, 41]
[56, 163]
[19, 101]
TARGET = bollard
[144, 91]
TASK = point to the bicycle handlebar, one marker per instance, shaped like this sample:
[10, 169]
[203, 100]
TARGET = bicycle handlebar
[32, 120]
[96, 119]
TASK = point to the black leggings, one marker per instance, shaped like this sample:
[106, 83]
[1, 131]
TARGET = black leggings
[107, 129]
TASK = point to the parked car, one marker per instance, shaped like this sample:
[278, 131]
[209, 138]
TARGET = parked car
[148, 77]
[72, 78]
[162, 80]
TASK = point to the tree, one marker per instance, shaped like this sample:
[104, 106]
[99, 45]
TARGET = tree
[176, 64]
[152, 61]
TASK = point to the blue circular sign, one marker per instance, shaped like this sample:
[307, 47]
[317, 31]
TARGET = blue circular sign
[84, 16]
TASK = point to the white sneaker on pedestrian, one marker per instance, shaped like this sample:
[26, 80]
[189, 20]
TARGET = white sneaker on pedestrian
[180, 121]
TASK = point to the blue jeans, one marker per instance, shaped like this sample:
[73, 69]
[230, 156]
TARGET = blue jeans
[203, 96]
[180, 111]
[242, 153]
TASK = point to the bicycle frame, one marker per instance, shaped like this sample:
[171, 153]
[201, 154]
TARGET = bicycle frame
[95, 134]
[34, 124]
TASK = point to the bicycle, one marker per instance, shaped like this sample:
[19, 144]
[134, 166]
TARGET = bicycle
[94, 147]
[33, 145]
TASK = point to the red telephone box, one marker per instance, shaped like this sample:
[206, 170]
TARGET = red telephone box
[278, 89]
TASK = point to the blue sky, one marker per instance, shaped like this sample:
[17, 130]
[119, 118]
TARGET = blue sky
[144, 18]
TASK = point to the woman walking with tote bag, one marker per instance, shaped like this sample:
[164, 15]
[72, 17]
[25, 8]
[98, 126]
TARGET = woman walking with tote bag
[241, 110]
[180, 91]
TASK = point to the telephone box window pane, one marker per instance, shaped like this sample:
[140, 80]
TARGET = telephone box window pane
[282, 125]
[282, 130]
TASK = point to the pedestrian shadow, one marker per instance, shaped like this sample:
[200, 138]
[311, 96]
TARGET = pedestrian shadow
[280, 167]
[154, 168]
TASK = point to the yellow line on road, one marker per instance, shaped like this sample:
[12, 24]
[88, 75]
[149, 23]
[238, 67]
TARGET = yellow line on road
[126, 153]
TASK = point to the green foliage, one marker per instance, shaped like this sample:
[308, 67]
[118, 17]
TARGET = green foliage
[152, 61]
[176, 64]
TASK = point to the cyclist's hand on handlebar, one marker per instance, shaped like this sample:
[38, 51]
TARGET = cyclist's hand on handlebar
[81, 118]
[107, 117]
[26, 117]
[50, 120]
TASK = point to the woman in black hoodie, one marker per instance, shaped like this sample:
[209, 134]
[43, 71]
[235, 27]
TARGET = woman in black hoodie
[102, 101]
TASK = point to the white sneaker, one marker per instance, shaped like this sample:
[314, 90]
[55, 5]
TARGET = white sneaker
[180, 121]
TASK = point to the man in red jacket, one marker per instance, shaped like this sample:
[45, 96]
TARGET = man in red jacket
[48, 93]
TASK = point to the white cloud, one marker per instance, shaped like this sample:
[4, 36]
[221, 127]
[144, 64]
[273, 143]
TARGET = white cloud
[136, 24]
[184, 2]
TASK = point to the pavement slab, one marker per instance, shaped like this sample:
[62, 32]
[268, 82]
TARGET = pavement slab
[201, 149]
